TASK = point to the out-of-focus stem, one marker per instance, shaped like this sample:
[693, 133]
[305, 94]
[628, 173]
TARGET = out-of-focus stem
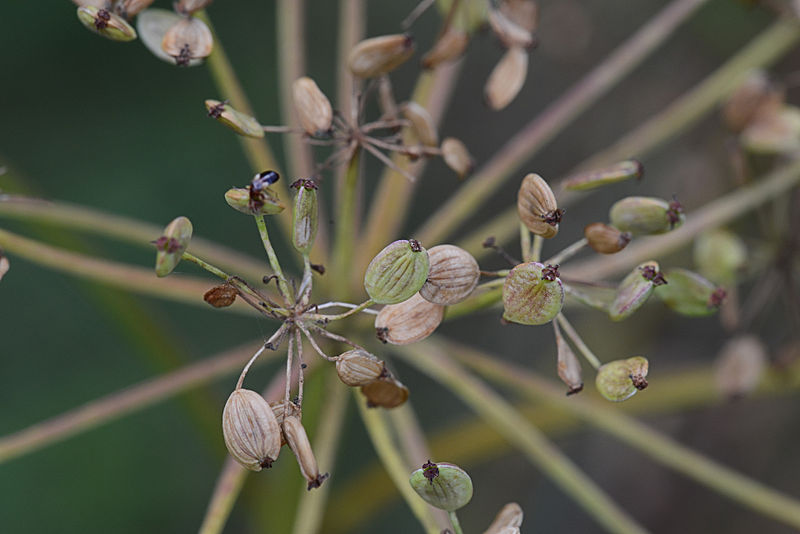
[554, 119]
[346, 223]
[577, 340]
[568, 252]
[455, 523]
[524, 242]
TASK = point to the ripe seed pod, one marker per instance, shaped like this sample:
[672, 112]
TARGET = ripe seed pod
[442, 485]
[569, 367]
[304, 216]
[379, 55]
[756, 96]
[102, 22]
[250, 429]
[450, 45]
[606, 239]
[409, 321]
[775, 133]
[397, 272]
[279, 411]
[235, 120]
[129, 8]
[532, 294]
[422, 126]
[720, 255]
[385, 392]
[358, 367]
[634, 290]
[739, 366]
[619, 172]
[507, 78]
[188, 39]
[509, 516]
[453, 275]
[690, 294]
[646, 215]
[152, 25]
[537, 208]
[297, 439]
[312, 106]
[621, 379]
[172, 244]
[457, 157]
[187, 7]
[509, 32]
[221, 296]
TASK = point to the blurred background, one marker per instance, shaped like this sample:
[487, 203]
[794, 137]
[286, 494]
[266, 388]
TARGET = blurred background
[105, 124]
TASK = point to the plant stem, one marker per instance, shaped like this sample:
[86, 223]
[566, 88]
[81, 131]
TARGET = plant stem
[347, 220]
[430, 358]
[393, 462]
[593, 360]
[585, 299]
[524, 242]
[455, 523]
[663, 449]
[361, 307]
[568, 252]
[273, 260]
[536, 252]
[541, 130]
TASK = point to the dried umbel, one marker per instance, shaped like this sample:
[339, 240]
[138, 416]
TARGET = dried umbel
[422, 125]
[532, 294]
[397, 272]
[635, 289]
[739, 366]
[237, 121]
[129, 8]
[624, 170]
[442, 485]
[507, 78]
[221, 296]
[453, 275]
[508, 31]
[756, 97]
[106, 23]
[297, 439]
[606, 239]
[188, 39]
[720, 255]
[690, 294]
[171, 245]
[646, 215]
[380, 55]
[457, 157]
[305, 216]
[509, 517]
[409, 321]
[312, 106]
[450, 45]
[250, 429]
[358, 367]
[569, 367]
[621, 379]
[385, 392]
[537, 208]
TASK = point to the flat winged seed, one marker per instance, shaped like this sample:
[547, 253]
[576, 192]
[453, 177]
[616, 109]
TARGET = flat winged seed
[409, 321]
[507, 78]
[634, 290]
[457, 157]
[297, 439]
[619, 380]
[250, 429]
[188, 39]
[690, 294]
[536, 206]
[237, 121]
[532, 294]
[171, 245]
[385, 392]
[442, 485]
[450, 45]
[619, 172]
[509, 32]
[739, 366]
[358, 367]
[312, 106]
[453, 275]
[380, 55]
[152, 25]
[646, 215]
[279, 410]
[422, 126]
[720, 255]
[606, 239]
[509, 516]
[397, 272]
[103, 22]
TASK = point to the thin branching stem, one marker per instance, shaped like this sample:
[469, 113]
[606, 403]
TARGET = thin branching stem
[273, 260]
[314, 343]
[272, 343]
[576, 339]
[568, 252]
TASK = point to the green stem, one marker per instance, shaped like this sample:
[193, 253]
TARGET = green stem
[568, 252]
[393, 462]
[585, 299]
[663, 449]
[347, 220]
[288, 295]
[536, 252]
[525, 242]
[430, 358]
[455, 523]
[542, 129]
[584, 349]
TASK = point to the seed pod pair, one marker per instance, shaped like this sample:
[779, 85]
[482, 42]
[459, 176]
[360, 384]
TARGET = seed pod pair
[507, 519]
[379, 55]
[624, 170]
[187, 39]
[312, 107]
[237, 121]
[305, 216]
[409, 321]
[635, 289]
[621, 379]
[690, 294]
[397, 272]
[442, 485]
[250, 429]
[358, 367]
[297, 439]
[739, 366]
[171, 245]
[452, 276]
[646, 215]
[606, 239]
[449, 46]
[507, 78]
[533, 294]
[103, 22]
[537, 208]
[457, 157]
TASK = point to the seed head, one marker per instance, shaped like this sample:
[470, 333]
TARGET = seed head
[533, 294]
[606, 239]
[358, 367]
[537, 208]
[621, 379]
[312, 107]
[379, 55]
[569, 367]
[129, 8]
[634, 290]
[187, 7]
[409, 321]
[251, 431]
[297, 439]
[442, 485]
[453, 275]
[188, 39]
[397, 272]
[103, 22]
[171, 245]
[645, 215]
